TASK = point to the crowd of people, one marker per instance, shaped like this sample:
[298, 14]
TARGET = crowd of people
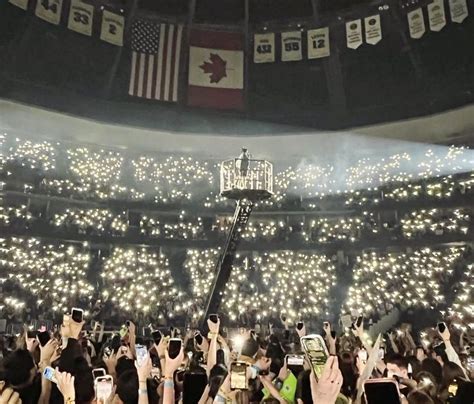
[78, 361]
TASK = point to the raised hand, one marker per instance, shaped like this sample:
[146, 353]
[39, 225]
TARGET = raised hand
[325, 390]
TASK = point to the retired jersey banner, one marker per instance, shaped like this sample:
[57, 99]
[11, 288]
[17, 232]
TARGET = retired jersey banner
[112, 28]
[458, 10]
[264, 48]
[291, 46]
[436, 15]
[373, 29]
[23, 4]
[216, 69]
[416, 23]
[318, 43]
[354, 34]
[80, 17]
[49, 10]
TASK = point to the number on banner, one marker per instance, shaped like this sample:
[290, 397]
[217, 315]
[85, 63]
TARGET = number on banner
[112, 28]
[49, 10]
[80, 17]
[291, 46]
[318, 43]
[23, 4]
[264, 48]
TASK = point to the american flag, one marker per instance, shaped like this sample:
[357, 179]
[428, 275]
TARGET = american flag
[156, 49]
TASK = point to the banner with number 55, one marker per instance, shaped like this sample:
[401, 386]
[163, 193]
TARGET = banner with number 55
[318, 43]
[80, 17]
[291, 46]
[264, 48]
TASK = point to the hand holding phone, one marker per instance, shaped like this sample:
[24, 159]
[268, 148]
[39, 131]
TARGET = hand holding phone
[238, 376]
[77, 315]
[50, 374]
[104, 386]
[174, 347]
[156, 336]
[142, 354]
[316, 352]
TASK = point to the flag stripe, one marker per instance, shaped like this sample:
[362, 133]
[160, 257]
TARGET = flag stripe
[155, 60]
[216, 98]
[131, 88]
[176, 65]
[216, 40]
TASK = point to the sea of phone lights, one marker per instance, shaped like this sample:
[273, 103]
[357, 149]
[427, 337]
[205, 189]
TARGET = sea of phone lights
[299, 284]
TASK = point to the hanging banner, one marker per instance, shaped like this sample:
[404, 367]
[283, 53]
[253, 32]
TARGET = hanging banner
[373, 29]
[291, 46]
[436, 15]
[458, 10]
[318, 43]
[416, 23]
[112, 28]
[80, 17]
[49, 10]
[23, 4]
[354, 34]
[264, 48]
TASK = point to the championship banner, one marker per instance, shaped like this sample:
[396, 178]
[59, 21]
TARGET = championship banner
[318, 43]
[458, 10]
[354, 34]
[264, 48]
[416, 23]
[291, 46]
[23, 4]
[49, 10]
[436, 15]
[112, 28]
[80, 17]
[373, 29]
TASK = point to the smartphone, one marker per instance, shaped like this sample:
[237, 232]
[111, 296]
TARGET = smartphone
[299, 325]
[214, 318]
[453, 389]
[99, 372]
[156, 336]
[381, 391]
[326, 324]
[441, 327]
[363, 355]
[238, 376]
[198, 338]
[43, 337]
[295, 363]
[77, 315]
[333, 334]
[174, 347]
[142, 354]
[50, 374]
[316, 352]
[31, 334]
[194, 385]
[104, 386]
[440, 349]
[359, 321]
[381, 353]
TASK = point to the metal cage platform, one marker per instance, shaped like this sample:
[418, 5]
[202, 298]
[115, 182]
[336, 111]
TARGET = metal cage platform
[246, 179]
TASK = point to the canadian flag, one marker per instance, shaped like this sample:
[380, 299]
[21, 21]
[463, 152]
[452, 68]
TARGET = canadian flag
[216, 70]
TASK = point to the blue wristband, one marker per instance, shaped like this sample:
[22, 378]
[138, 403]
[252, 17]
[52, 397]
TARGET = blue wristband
[169, 384]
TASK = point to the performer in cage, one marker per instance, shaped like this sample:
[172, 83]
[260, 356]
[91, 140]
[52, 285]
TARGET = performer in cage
[242, 164]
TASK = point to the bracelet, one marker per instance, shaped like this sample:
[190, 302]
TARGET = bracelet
[169, 384]
[220, 398]
[211, 335]
[142, 391]
[70, 400]
[162, 357]
[257, 369]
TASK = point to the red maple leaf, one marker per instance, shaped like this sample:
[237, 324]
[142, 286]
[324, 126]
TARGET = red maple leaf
[216, 68]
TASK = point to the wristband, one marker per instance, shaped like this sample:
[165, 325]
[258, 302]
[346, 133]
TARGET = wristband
[162, 357]
[70, 400]
[257, 369]
[169, 384]
[220, 398]
[211, 335]
[142, 391]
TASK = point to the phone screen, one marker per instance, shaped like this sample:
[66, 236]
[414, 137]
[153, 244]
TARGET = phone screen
[214, 318]
[295, 363]
[300, 325]
[381, 353]
[77, 315]
[156, 335]
[381, 392]
[359, 321]
[31, 334]
[316, 352]
[194, 385]
[142, 354]
[363, 355]
[100, 372]
[44, 337]
[103, 388]
[174, 347]
[238, 376]
[49, 373]
[198, 338]
[441, 327]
